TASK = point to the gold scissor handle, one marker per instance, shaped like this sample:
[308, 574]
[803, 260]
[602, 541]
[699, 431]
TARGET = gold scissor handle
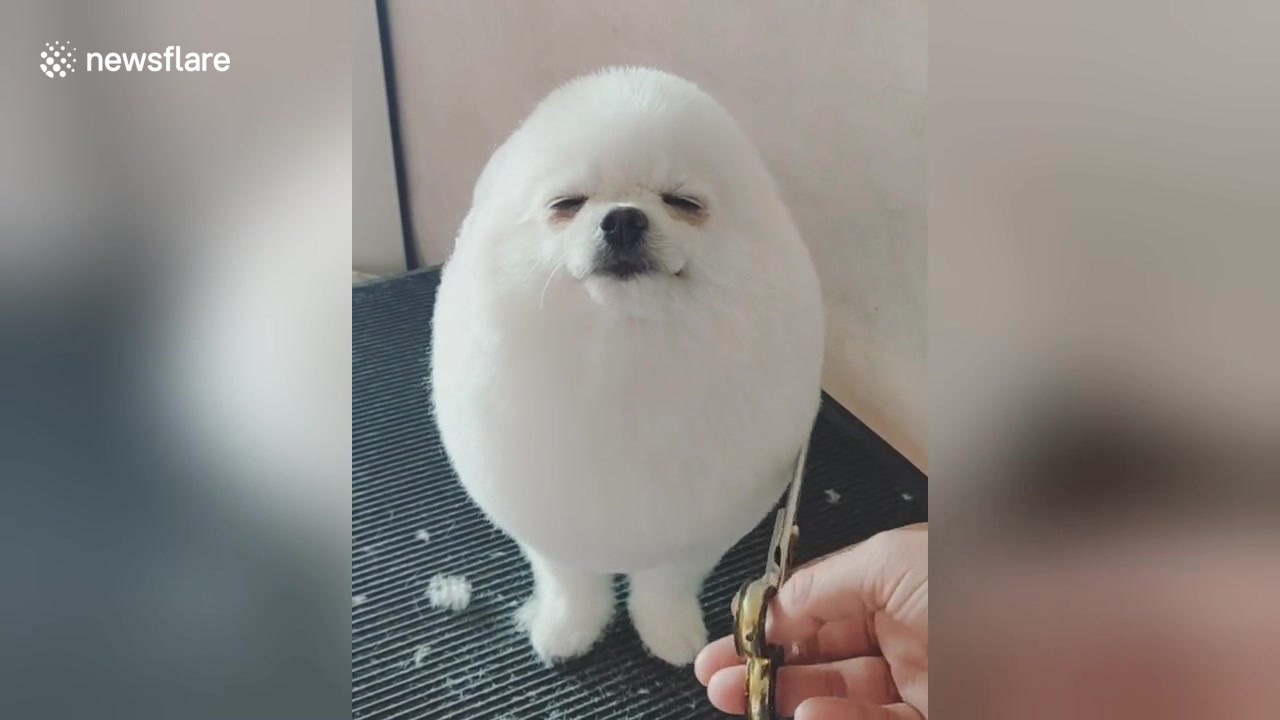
[763, 659]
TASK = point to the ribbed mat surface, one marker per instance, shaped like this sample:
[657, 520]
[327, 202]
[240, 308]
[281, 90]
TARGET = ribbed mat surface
[411, 520]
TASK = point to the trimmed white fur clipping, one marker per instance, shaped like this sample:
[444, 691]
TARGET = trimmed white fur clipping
[420, 653]
[423, 535]
[449, 592]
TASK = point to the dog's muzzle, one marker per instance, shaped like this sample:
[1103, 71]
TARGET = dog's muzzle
[625, 251]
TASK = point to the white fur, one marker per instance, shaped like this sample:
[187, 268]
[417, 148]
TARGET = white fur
[449, 592]
[636, 426]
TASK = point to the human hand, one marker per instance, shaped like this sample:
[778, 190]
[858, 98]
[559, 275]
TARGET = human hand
[854, 627]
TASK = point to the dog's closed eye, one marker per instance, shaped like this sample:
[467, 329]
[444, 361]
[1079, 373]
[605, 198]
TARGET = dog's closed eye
[567, 207]
[683, 203]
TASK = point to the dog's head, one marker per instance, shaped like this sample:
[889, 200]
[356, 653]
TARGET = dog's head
[627, 177]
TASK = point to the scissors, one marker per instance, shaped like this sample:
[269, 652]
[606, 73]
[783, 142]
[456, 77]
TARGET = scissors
[763, 659]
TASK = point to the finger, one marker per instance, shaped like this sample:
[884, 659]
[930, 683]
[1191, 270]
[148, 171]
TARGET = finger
[864, 679]
[838, 709]
[835, 641]
[714, 658]
[832, 641]
[848, 587]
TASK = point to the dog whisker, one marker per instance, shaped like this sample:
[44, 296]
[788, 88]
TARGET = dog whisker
[542, 298]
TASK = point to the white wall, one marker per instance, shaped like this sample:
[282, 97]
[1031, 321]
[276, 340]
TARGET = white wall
[833, 93]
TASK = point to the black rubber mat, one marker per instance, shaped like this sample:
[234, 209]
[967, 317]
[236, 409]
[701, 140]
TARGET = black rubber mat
[411, 520]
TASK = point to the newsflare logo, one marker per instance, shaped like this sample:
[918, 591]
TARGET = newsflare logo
[58, 59]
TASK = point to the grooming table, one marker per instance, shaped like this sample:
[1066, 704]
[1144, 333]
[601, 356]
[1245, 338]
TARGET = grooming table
[411, 520]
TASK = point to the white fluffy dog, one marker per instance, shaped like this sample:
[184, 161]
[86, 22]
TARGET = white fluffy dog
[627, 353]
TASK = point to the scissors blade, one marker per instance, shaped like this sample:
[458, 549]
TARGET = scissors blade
[783, 529]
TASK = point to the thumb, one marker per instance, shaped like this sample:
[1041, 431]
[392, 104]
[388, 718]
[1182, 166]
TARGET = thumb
[848, 589]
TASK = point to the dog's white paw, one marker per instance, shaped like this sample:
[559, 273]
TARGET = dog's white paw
[670, 626]
[559, 630]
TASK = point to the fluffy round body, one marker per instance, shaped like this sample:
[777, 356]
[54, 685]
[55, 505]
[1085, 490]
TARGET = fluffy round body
[622, 424]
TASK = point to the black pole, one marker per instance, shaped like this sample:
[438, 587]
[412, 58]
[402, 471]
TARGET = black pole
[411, 258]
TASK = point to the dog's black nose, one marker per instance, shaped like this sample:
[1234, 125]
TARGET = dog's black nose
[624, 227]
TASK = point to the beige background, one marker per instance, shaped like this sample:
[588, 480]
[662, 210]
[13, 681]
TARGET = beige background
[833, 93]
[378, 243]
